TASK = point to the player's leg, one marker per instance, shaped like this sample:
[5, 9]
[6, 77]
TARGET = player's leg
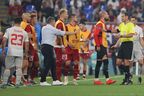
[98, 66]
[58, 52]
[139, 56]
[18, 62]
[25, 70]
[127, 53]
[66, 69]
[76, 66]
[67, 58]
[9, 63]
[84, 58]
[105, 66]
[34, 68]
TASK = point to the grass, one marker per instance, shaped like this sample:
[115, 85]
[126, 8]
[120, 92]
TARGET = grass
[85, 88]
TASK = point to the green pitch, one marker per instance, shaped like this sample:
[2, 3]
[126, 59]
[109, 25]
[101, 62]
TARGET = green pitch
[85, 88]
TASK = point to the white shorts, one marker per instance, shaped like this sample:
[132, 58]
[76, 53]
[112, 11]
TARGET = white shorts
[137, 54]
[13, 61]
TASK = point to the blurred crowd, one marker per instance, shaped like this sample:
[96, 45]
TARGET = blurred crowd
[87, 10]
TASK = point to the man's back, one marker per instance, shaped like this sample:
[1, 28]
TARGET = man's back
[16, 37]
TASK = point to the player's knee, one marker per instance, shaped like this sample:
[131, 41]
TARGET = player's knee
[118, 62]
[141, 61]
[127, 62]
[104, 57]
[76, 62]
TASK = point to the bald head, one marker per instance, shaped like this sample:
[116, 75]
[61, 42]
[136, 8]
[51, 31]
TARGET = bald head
[104, 15]
[26, 17]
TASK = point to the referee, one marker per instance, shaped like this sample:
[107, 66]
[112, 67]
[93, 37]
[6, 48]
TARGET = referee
[127, 31]
[49, 33]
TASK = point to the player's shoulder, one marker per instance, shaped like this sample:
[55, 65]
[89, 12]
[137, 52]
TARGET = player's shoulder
[138, 27]
[121, 24]
[59, 22]
[130, 24]
[9, 29]
[99, 23]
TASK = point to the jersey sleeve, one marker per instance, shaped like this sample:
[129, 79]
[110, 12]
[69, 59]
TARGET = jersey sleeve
[97, 33]
[60, 26]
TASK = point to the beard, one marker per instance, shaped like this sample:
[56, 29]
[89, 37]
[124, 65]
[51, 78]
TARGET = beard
[107, 19]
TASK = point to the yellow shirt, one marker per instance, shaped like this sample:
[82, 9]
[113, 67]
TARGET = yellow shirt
[73, 39]
[84, 44]
[126, 29]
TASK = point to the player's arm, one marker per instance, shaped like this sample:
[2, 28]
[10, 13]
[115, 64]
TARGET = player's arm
[97, 32]
[141, 38]
[26, 41]
[127, 35]
[28, 29]
[117, 44]
[142, 42]
[4, 41]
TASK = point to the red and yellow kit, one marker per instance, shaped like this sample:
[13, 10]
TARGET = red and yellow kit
[72, 48]
[84, 44]
[60, 41]
[99, 35]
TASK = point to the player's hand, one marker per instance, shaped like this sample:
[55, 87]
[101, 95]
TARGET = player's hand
[117, 36]
[114, 31]
[114, 46]
[77, 31]
[98, 49]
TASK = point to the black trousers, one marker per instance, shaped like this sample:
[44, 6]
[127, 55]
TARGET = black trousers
[49, 62]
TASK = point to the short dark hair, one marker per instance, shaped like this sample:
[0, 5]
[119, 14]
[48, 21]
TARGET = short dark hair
[17, 20]
[125, 13]
[134, 17]
[71, 16]
[50, 19]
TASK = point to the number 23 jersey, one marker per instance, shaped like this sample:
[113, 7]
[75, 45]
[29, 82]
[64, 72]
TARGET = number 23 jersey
[16, 37]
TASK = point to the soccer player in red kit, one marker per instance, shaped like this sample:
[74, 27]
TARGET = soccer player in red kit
[60, 42]
[101, 48]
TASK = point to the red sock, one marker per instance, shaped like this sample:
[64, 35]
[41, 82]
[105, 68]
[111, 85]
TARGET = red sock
[33, 73]
[59, 70]
[84, 72]
[66, 69]
[76, 71]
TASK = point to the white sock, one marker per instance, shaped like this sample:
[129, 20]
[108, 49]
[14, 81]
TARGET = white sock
[18, 75]
[6, 76]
